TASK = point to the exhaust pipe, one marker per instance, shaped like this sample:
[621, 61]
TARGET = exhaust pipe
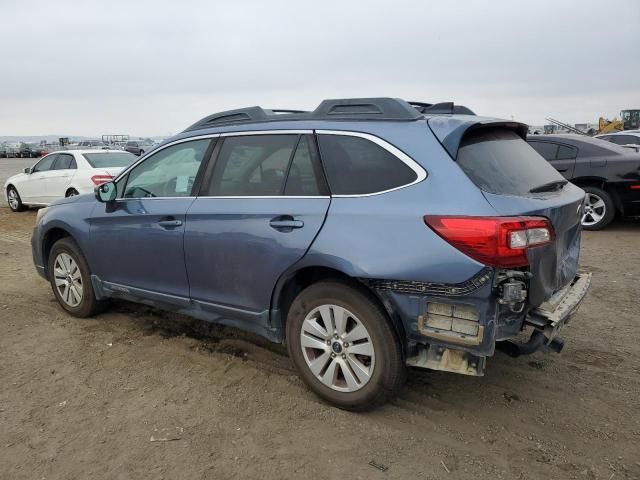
[556, 345]
[516, 350]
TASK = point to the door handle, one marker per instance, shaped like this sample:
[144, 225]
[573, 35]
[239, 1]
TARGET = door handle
[170, 223]
[285, 223]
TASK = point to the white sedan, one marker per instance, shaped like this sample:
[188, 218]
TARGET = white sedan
[63, 174]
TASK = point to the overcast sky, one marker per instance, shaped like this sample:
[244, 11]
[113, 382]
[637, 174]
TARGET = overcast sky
[155, 67]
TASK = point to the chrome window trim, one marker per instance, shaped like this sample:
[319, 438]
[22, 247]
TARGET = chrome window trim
[420, 172]
[264, 197]
[266, 132]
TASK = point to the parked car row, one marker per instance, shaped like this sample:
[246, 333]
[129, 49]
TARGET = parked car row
[23, 150]
[366, 235]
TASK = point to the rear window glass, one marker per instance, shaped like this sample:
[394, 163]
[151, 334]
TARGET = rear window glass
[501, 162]
[109, 159]
[357, 166]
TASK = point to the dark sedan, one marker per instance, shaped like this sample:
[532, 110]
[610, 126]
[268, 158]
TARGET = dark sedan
[610, 174]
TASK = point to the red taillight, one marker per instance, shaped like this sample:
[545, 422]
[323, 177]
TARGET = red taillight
[496, 241]
[100, 179]
[634, 187]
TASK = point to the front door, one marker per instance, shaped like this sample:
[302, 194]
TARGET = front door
[260, 208]
[33, 189]
[137, 241]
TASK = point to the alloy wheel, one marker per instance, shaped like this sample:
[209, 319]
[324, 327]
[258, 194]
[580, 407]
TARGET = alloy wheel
[337, 348]
[68, 279]
[594, 210]
[14, 202]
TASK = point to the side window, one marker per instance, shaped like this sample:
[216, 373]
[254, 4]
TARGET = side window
[65, 161]
[45, 164]
[357, 166]
[252, 165]
[547, 150]
[565, 152]
[304, 177]
[170, 172]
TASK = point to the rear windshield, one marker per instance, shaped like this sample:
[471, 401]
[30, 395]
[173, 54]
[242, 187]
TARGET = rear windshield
[500, 161]
[109, 159]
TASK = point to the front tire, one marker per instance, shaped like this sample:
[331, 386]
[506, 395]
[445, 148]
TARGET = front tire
[344, 346]
[599, 210]
[15, 202]
[72, 192]
[70, 280]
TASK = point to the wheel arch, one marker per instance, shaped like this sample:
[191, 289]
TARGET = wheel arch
[48, 240]
[293, 282]
[603, 184]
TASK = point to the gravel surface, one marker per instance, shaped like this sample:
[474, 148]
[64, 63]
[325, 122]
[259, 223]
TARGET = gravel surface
[137, 393]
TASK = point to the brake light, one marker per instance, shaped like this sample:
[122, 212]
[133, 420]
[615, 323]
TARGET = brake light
[100, 179]
[496, 241]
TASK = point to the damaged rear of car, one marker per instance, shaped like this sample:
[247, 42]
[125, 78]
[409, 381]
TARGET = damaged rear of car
[526, 243]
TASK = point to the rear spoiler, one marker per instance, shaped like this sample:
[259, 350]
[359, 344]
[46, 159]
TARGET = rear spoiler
[451, 130]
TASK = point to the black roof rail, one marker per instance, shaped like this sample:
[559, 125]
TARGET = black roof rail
[239, 115]
[441, 108]
[381, 108]
[378, 108]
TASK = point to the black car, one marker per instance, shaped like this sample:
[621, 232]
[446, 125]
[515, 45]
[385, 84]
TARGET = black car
[608, 173]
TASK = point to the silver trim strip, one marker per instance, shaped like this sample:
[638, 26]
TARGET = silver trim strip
[263, 197]
[410, 162]
[266, 132]
[420, 172]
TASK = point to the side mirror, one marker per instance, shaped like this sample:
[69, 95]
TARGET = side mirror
[27, 170]
[106, 192]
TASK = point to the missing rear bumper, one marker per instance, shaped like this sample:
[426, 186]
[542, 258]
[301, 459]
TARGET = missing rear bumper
[552, 315]
[448, 360]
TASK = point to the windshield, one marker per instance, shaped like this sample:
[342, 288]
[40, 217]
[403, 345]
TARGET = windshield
[499, 161]
[109, 159]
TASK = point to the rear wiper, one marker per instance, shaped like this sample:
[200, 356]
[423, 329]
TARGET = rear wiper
[549, 187]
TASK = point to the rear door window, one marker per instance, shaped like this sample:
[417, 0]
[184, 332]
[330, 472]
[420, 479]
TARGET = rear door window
[65, 161]
[499, 161]
[266, 165]
[565, 152]
[547, 150]
[357, 166]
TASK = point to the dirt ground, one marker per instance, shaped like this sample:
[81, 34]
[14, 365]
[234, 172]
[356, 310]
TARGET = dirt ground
[136, 393]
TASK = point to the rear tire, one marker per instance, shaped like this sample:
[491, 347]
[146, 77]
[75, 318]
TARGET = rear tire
[72, 192]
[15, 202]
[351, 356]
[70, 280]
[599, 209]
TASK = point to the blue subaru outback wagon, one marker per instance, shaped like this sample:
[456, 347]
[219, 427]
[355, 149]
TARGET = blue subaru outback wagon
[368, 235]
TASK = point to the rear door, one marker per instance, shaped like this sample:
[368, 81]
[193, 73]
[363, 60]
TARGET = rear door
[56, 181]
[513, 177]
[262, 203]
